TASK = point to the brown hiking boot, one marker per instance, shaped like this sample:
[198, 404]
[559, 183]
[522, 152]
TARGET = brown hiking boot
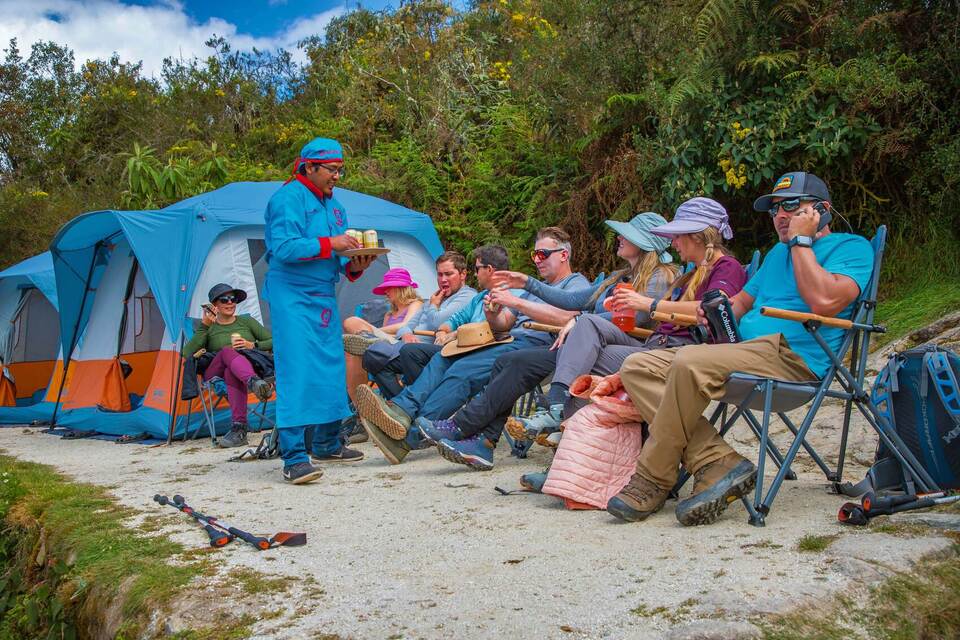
[638, 500]
[384, 414]
[715, 486]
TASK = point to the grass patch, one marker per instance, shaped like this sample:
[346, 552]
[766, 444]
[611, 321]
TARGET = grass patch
[924, 603]
[916, 307]
[70, 538]
[254, 582]
[814, 544]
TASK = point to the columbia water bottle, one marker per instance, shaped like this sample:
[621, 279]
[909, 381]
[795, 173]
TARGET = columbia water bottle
[719, 314]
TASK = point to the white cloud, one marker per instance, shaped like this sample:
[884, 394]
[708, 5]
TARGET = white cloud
[98, 28]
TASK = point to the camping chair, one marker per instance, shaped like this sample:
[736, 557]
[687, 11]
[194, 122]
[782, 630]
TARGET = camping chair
[525, 406]
[213, 396]
[745, 393]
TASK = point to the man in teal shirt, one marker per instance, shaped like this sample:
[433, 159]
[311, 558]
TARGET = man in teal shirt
[811, 270]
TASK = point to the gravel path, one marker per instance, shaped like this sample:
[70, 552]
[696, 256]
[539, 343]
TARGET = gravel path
[430, 550]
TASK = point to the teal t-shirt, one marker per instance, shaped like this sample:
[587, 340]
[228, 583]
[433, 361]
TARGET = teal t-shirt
[774, 285]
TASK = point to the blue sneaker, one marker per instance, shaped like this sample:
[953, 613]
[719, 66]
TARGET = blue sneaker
[476, 452]
[434, 431]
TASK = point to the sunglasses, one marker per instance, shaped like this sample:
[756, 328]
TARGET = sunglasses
[789, 206]
[477, 267]
[227, 299]
[542, 254]
[340, 171]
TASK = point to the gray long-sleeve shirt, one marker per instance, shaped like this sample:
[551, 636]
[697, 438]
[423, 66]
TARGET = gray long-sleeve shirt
[430, 317]
[579, 299]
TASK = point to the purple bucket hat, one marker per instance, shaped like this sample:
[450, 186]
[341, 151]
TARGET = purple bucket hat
[696, 214]
[394, 278]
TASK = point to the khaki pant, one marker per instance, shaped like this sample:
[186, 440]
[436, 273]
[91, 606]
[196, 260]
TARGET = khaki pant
[671, 388]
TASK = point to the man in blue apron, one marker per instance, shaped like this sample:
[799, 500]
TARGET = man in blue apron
[305, 231]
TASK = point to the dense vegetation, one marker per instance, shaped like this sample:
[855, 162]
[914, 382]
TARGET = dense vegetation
[519, 113]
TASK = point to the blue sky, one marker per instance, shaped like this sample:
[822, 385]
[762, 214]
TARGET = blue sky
[151, 30]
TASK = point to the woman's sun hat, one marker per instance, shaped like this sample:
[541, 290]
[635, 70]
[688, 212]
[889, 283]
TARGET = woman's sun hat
[394, 278]
[637, 232]
[223, 289]
[696, 214]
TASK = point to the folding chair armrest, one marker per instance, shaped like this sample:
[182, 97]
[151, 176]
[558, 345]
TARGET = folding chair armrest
[679, 319]
[421, 332]
[799, 316]
[549, 328]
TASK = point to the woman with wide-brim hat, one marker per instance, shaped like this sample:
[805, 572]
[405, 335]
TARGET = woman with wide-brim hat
[226, 334]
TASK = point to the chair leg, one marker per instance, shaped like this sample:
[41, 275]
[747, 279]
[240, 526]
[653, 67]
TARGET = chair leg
[806, 445]
[772, 449]
[847, 411]
[758, 513]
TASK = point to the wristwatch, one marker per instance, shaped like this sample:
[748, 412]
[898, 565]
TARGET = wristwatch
[800, 241]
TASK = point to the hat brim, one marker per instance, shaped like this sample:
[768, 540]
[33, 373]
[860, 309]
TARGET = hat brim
[633, 236]
[678, 228]
[763, 202]
[381, 289]
[451, 348]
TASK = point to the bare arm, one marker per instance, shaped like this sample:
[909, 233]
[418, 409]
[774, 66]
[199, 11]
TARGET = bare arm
[826, 293]
[537, 311]
[412, 310]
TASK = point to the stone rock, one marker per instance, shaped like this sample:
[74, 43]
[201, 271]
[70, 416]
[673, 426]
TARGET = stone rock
[714, 630]
[945, 521]
[874, 556]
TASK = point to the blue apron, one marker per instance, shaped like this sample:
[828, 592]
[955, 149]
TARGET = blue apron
[301, 289]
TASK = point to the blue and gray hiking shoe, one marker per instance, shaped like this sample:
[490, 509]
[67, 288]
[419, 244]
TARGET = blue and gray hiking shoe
[476, 452]
[534, 481]
[542, 421]
[715, 487]
[434, 431]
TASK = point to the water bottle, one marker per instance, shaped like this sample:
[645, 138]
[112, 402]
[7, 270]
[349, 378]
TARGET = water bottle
[625, 319]
[719, 314]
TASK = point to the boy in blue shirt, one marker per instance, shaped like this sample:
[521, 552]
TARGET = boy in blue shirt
[811, 270]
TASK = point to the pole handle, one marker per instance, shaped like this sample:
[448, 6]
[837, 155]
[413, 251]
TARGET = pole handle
[256, 541]
[217, 538]
[550, 328]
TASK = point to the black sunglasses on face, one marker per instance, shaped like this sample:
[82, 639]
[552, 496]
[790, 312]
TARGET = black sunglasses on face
[227, 299]
[477, 267]
[542, 254]
[789, 206]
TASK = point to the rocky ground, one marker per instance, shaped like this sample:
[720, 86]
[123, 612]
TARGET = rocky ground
[429, 550]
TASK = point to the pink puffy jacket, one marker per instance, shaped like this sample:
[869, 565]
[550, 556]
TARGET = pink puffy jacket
[600, 444]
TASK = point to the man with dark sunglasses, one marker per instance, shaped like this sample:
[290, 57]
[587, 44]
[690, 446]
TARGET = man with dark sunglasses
[448, 382]
[810, 270]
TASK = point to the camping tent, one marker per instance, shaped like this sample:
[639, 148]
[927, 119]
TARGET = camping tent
[131, 283]
[29, 340]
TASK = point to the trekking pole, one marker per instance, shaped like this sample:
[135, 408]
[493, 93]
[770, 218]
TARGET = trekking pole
[922, 503]
[280, 539]
[217, 538]
[873, 502]
[852, 513]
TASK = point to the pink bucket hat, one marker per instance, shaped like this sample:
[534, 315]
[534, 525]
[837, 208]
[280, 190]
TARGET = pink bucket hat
[394, 278]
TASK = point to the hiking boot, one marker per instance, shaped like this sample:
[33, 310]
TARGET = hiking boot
[534, 481]
[352, 432]
[236, 438]
[549, 439]
[476, 452]
[344, 454]
[391, 419]
[358, 343]
[543, 420]
[715, 486]
[433, 431]
[637, 500]
[392, 449]
[301, 473]
[260, 388]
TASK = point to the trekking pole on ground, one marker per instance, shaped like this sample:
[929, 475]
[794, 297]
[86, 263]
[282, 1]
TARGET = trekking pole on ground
[921, 503]
[872, 502]
[857, 514]
[280, 539]
[217, 537]
[853, 514]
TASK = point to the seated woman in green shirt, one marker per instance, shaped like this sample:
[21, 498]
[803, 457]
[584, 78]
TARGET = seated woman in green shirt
[224, 333]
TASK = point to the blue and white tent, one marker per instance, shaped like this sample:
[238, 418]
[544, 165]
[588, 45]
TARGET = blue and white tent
[29, 339]
[131, 283]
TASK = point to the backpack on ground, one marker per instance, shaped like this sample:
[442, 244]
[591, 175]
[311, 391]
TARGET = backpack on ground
[918, 393]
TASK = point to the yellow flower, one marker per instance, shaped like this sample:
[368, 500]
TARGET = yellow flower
[132, 93]
[517, 17]
[426, 54]
[220, 92]
[39, 194]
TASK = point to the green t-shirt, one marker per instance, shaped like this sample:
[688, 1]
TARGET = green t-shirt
[217, 336]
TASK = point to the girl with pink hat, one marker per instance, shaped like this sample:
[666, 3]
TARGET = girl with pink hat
[358, 334]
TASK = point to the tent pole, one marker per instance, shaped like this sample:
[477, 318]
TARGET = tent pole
[173, 396]
[76, 329]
